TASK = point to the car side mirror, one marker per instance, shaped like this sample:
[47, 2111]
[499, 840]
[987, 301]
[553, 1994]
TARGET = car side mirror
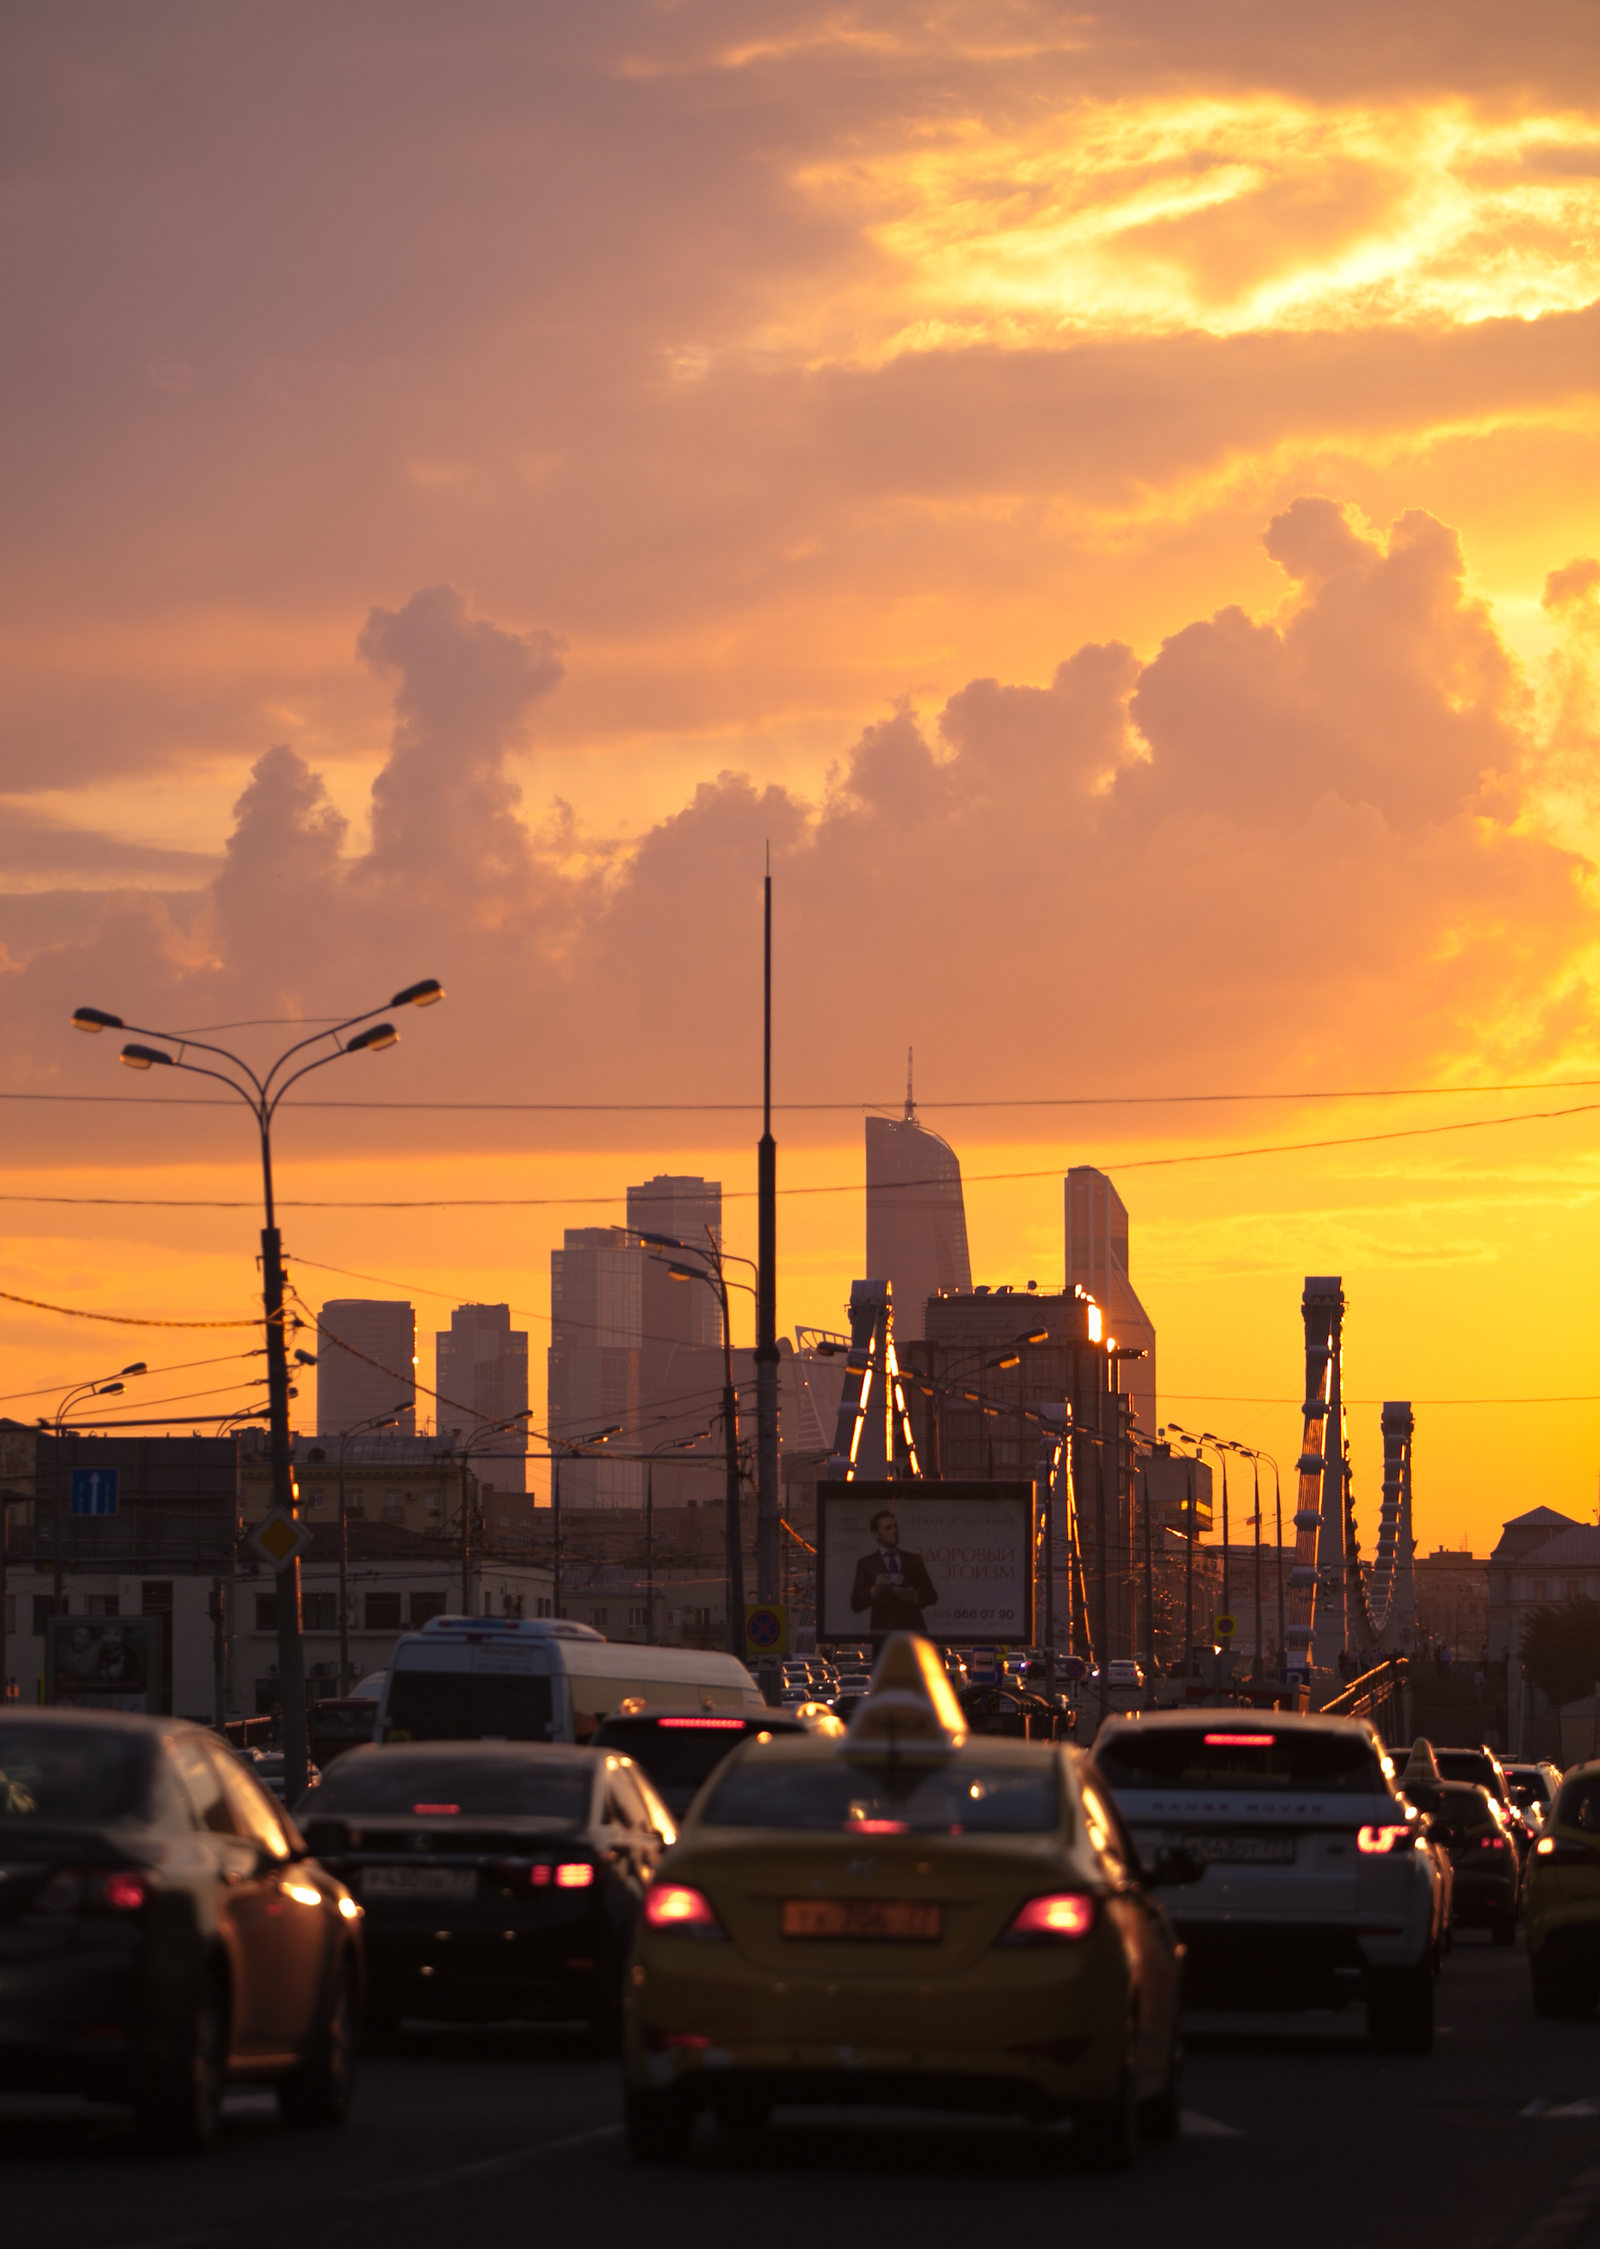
[1176, 1865]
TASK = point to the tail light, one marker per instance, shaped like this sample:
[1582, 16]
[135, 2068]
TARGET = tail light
[1062, 1918]
[1562, 1850]
[575, 1874]
[1377, 1840]
[1493, 1843]
[91, 1889]
[674, 1905]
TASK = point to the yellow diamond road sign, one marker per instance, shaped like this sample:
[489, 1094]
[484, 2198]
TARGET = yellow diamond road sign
[278, 1538]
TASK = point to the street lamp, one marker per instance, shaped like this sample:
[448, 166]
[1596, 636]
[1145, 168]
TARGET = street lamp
[716, 1279]
[262, 1095]
[375, 1421]
[671, 1444]
[567, 1448]
[99, 1388]
[470, 1445]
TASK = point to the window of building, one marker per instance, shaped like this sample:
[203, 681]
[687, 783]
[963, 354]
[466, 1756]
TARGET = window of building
[314, 1497]
[394, 1508]
[431, 1505]
[100, 1604]
[543, 1607]
[423, 1606]
[266, 1612]
[319, 1612]
[599, 1618]
[383, 1612]
[355, 1502]
[638, 1620]
[1538, 1589]
[45, 1607]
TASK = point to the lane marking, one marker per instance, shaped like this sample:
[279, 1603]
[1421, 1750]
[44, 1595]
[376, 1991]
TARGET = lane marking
[1192, 2126]
[488, 2167]
[1564, 2220]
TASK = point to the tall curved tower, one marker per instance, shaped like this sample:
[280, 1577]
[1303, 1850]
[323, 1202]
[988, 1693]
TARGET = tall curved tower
[916, 1218]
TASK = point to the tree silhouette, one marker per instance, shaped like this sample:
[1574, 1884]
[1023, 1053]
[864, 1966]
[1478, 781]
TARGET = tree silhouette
[1561, 1648]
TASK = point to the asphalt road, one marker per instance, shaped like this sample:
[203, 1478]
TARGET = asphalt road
[468, 2137]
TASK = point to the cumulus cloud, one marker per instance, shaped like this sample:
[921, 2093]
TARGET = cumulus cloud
[1289, 840]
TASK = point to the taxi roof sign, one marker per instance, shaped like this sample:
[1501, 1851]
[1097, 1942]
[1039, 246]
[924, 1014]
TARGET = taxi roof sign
[910, 1705]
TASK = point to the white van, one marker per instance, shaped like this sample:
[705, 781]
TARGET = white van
[545, 1679]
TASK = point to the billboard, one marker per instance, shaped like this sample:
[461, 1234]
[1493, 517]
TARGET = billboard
[951, 1560]
[104, 1662]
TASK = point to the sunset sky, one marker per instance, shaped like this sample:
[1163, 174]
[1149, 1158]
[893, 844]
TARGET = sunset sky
[1108, 495]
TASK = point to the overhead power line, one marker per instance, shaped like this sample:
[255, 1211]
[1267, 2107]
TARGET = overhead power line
[836, 1187]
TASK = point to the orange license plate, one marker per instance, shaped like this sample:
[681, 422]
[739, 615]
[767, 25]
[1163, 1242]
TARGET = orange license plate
[871, 1918]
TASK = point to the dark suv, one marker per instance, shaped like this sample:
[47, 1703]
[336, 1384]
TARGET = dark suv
[162, 1930]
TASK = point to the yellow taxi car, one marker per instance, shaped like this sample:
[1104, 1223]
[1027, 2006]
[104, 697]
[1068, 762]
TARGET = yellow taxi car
[905, 1916]
[1561, 1903]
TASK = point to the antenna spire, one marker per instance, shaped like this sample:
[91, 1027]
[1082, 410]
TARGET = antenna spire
[911, 1106]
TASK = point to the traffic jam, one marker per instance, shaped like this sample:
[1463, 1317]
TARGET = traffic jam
[862, 1898]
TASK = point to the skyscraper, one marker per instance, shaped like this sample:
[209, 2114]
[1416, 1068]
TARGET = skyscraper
[483, 1366]
[1097, 1259]
[596, 1334]
[916, 1219]
[350, 1389]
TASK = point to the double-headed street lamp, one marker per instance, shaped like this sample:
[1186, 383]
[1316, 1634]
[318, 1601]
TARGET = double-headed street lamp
[373, 1422]
[262, 1095]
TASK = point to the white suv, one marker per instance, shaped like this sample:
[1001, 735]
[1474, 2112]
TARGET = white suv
[1318, 1886]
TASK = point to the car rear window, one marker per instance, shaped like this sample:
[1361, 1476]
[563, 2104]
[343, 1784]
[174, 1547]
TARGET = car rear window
[1232, 1754]
[1578, 1804]
[1468, 1765]
[70, 1772]
[957, 1799]
[383, 1780]
[682, 1752]
[1466, 1809]
[468, 1706]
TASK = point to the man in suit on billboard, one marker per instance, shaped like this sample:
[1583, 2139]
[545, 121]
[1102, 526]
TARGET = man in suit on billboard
[894, 1586]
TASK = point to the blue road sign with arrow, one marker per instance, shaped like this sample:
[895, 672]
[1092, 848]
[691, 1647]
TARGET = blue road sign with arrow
[94, 1491]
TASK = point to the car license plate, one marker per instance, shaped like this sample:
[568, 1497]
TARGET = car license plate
[1245, 1850]
[418, 1881]
[861, 1917]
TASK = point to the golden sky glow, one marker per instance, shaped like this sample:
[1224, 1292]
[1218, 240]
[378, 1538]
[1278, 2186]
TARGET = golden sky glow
[1106, 497]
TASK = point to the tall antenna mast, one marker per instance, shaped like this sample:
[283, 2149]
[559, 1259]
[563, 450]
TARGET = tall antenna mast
[767, 1496]
[911, 1106]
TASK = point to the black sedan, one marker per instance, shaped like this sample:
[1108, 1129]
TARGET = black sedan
[500, 1879]
[1487, 1873]
[681, 1749]
[162, 1930]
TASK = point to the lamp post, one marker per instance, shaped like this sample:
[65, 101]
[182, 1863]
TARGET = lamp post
[376, 1421]
[672, 1444]
[262, 1094]
[716, 1279]
[478, 1437]
[562, 1448]
[99, 1388]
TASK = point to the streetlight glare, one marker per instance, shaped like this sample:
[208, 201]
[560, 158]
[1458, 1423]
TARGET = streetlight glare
[95, 1019]
[426, 994]
[142, 1057]
[380, 1035]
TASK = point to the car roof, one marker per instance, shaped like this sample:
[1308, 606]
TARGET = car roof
[468, 1752]
[799, 1746]
[1279, 1721]
[120, 1721]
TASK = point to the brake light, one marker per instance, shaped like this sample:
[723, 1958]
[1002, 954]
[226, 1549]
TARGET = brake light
[1240, 1741]
[1560, 1850]
[576, 1874]
[717, 1725]
[88, 1889]
[1059, 1919]
[674, 1905]
[877, 1827]
[1380, 1839]
[436, 1811]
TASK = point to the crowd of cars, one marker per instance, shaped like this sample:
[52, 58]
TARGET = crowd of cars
[868, 1894]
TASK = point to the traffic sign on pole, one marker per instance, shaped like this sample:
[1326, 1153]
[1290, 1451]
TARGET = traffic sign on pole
[94, 1491]
[766, 1628]
[278, 1539]
[983, 1666]
[1225, 1627]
